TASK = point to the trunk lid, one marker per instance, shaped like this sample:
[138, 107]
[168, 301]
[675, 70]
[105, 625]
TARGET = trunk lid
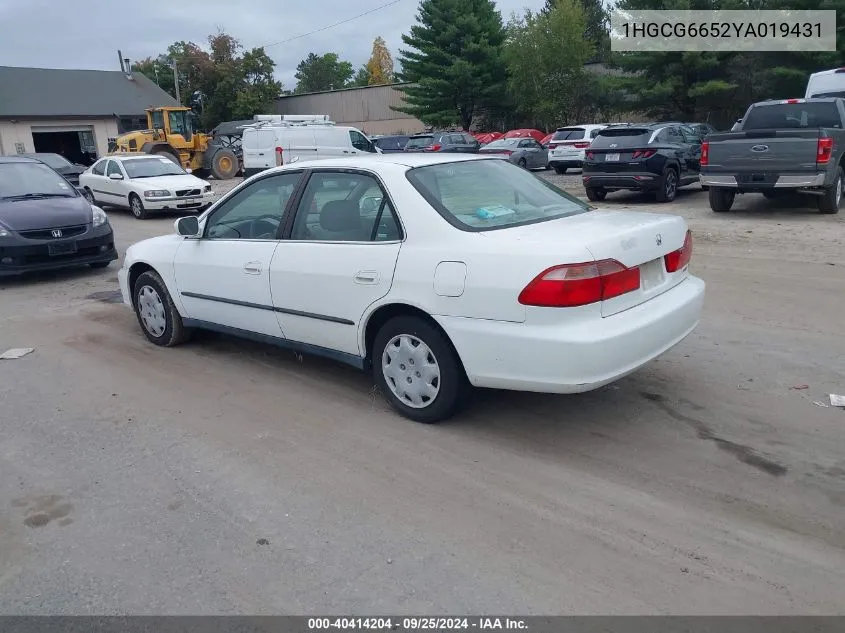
[634, 239]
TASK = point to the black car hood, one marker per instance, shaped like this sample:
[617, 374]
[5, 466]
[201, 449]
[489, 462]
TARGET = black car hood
[72, 170]
[44, 213]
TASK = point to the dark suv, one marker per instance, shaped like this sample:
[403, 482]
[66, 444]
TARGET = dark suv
[462, 142]
[658, 157]
[390, 144]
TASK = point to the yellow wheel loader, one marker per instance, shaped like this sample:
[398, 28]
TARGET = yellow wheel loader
[170, 134]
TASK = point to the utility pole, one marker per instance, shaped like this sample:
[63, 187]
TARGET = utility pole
[176, 81]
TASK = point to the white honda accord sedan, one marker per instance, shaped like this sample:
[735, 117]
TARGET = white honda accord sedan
[437, 272]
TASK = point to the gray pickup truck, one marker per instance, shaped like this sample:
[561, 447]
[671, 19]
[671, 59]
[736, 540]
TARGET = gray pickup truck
[794, 145]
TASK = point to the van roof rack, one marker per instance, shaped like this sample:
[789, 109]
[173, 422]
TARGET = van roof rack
[291, 120]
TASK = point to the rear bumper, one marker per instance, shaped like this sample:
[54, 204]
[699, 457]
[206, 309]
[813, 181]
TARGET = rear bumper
[24, 257]
[783, 181]
[570, 158]
[575, 357]
[638, 181]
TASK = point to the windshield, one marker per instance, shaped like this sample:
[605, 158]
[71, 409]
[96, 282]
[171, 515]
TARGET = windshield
[54, 160]
[502, 143]
[569, 134]
[792, 115]
[821, 95]
[152, 167]
[419, 141]
[32, 180]
[481, 195]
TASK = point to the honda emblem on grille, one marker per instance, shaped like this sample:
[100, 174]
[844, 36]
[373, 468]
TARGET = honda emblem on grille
[56, 232]
[659, 239]
[760, 148]
[613, 145]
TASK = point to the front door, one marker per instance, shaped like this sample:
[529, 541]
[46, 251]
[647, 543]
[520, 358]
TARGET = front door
[223, 278]
[113, 191]
[337, 259]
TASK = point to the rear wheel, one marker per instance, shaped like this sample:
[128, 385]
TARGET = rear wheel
[560, 170]
[832, 198]
[668, 186]
[224, 164]
[137, 207]
[721, 199]
[522, 163]
[418, 370]
[596, 194]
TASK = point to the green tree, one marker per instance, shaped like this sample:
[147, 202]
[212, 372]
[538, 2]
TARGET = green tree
[380, 66]
[361, 78]
[596, 25]
[317, 73]
[259, 89]
[454, 60]
[546, 54]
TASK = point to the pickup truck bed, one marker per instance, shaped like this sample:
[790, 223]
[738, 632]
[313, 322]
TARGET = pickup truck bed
[794, 145]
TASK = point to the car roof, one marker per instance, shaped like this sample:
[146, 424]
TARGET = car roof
[132, 156]
[409, 160]
[17, 158]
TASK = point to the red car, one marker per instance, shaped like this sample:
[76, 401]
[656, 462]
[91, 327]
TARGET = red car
[537, 135]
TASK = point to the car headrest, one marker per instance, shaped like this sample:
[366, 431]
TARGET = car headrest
[340, 215]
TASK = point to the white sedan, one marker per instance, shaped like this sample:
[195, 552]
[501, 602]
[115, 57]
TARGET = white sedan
[144, 183]
[436, 272]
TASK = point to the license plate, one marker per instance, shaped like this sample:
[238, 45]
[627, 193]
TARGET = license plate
[194, 200]
[62, 248]
[611, 158]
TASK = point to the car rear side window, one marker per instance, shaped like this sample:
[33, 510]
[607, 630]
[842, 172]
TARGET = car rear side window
[793, 115]
[483, 195]
[99, 168]
[569, 134]
[613, 138]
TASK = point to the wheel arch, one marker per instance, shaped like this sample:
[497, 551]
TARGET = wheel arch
[140, 267]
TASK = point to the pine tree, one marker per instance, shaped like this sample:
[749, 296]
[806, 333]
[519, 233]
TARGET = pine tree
[455, 61]
[380, 66]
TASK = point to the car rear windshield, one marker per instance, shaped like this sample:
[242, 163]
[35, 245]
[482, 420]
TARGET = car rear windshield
[419, 141]
[151, 167]
[33, 179]
[822, 95]
[482, 195]
[612, 138]
[569, 134]
[792, 115]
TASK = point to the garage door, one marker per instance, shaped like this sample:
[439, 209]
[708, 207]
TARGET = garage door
[62, 128]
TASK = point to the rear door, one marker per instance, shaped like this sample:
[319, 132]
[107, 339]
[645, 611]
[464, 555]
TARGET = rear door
[259, 148]
[676, 145]
[300, 144]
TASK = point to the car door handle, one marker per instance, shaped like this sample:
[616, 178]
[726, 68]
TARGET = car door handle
[366, 277]
[252, 268]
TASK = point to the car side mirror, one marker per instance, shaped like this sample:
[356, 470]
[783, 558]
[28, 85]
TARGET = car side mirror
[115, 177]
[189, 226]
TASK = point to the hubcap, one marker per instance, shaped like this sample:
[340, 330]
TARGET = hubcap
[225, 163]
[411, 371]
[151, 311]
[838, 191]
[136, 207]
[670, 184]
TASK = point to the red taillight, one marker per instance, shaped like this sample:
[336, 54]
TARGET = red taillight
[676, 260]
[705, 154]
[572, 285]
[644, 153]
[433, 148]
[793, 101]
[824, 150]
[507, 152]
[581, 145]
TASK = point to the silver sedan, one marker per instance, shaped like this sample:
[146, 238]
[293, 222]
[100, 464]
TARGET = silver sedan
[525, 152]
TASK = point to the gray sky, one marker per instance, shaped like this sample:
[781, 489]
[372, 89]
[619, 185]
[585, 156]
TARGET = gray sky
[88, 33]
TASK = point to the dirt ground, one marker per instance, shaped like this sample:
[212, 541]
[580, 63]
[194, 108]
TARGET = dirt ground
[228, 477]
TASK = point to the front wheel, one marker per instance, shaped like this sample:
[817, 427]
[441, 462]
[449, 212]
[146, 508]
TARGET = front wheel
[830, 201]
[418, 370]
[721, 199]
[89, 196]
[596, 194]
[137, 207]
[159, 319]
[224, 164]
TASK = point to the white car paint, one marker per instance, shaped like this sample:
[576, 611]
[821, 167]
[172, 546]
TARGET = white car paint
[570, 152]
[830, 83]
[185, 191]
[319, 296]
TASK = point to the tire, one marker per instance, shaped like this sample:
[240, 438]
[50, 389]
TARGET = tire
[668, 185]
[169, 156]
[832, 198]
[224, 164]
[99, 264]
[137, 207]
[522, 163]
[89, 196]
[596, 194]
[446, 397]
[560, 170]
[721, 199]
[158, 317]
[201, 173]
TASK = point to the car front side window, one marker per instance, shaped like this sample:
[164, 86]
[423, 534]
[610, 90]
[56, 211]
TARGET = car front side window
[113, 168]
[255, 212]
[344, 207]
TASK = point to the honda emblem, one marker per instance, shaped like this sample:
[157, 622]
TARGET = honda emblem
[659, 239]
[56, 232]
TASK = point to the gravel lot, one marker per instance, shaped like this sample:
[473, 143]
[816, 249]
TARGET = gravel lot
[227, 477]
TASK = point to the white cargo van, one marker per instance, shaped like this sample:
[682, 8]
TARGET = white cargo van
[827, 83]
[299, 142]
